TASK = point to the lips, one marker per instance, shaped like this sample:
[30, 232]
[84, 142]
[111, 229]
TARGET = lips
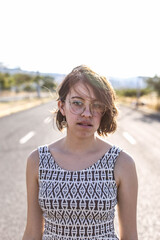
[87, 124]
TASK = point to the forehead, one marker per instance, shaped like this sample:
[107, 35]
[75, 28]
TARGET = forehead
[83, 90]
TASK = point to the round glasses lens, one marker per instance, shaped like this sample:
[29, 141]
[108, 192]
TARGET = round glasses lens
[77, 106]
[98, 108]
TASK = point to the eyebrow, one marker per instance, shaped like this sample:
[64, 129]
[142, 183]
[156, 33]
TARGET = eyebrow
[77, 97]
[94, 99]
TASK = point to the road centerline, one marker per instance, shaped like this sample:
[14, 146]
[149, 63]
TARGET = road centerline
[26, 137]
[47, 120]
[129, 138]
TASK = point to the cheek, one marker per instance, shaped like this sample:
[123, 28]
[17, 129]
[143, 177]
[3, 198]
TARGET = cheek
[98, 123]
[98, 120]
[71, 118]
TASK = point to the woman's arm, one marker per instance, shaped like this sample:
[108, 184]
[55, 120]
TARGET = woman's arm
[127, 197]
[34, 226]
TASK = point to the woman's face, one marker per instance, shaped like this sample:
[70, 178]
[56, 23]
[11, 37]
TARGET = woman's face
[82, 111]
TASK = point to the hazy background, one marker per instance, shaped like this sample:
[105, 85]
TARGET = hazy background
[118, 38]
[42, 41]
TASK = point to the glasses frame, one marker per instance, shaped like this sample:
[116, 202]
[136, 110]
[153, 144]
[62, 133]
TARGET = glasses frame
[84, 108]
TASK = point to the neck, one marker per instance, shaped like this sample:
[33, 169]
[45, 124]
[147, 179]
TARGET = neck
[79, 145]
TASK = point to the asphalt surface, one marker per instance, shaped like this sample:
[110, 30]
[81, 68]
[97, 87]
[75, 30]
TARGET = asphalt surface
[20, 133]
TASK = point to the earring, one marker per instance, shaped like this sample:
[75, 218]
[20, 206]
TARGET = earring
[64, 123]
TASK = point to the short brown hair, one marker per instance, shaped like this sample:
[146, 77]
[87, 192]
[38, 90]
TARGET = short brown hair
[102, 90]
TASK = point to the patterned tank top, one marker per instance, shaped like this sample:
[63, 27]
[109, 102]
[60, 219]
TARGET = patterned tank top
[78, 205]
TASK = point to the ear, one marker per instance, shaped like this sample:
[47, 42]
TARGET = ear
[61, 107]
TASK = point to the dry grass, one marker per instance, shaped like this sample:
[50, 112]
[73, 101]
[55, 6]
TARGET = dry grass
[148, 102]
[7, 108]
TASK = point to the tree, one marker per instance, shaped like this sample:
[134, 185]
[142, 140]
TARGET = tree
[6, 81]
[21, 78]
[38, 81]
[154, 83]
[43, 83]
[2, 81]
[48, 83]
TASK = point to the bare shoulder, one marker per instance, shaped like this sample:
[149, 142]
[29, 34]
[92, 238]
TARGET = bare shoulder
[33, 163]
[125, 167]
[125, 160]
[103, 144]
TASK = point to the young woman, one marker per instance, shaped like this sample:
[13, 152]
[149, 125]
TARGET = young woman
[74, 184]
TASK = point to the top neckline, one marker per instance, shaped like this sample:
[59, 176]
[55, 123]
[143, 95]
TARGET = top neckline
[80, 170]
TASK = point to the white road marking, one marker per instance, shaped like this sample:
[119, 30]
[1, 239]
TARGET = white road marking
[47, 120]
[129, 138]
[27, 137]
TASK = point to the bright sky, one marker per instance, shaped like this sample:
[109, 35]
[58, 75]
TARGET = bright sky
[118, 38]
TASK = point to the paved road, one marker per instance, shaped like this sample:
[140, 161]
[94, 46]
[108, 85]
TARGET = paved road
[20, 133]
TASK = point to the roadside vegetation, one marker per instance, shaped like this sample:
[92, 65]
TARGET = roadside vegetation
[22, 91]
[35, 84]
[24, 82]
[146, 97]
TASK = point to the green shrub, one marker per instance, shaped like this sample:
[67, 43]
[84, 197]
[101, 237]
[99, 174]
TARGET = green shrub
[131, 92]
[29, 88]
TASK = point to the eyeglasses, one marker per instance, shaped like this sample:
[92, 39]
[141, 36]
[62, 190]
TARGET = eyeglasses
[78, 107]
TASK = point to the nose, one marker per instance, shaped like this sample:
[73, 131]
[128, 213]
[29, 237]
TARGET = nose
[87, 112]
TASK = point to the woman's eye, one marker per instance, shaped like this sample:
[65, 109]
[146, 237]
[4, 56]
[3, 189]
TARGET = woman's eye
[77, 103]
[97, 105]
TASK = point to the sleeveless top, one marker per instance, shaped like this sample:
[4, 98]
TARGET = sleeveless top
[79, 204]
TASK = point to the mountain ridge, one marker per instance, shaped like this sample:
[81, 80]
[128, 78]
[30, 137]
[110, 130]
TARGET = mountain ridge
[117, 83]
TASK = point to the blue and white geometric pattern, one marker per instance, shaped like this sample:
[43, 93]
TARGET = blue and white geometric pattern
[80, 204]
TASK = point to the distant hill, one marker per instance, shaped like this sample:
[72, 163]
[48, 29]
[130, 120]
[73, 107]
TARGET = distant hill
[118, 83]
[132, 82]
[57, 76]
